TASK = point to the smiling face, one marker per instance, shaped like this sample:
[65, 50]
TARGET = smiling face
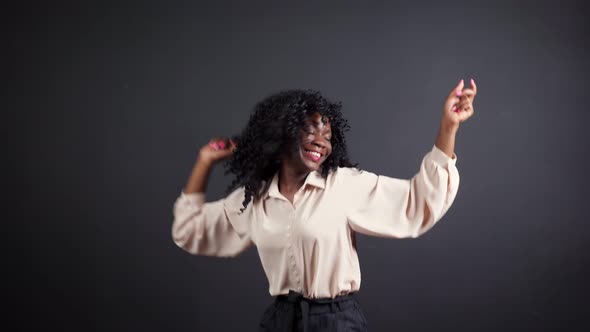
[314, 145]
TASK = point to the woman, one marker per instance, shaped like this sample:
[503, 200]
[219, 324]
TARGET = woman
[300, 201]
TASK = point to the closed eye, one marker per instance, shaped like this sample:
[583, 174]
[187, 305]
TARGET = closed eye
[309, 132]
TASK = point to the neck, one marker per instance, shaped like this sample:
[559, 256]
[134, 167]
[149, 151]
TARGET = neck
[290, 180]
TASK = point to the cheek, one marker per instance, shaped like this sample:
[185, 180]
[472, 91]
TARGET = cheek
[306, 140]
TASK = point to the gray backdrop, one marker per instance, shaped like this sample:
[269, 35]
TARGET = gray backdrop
[117, 98]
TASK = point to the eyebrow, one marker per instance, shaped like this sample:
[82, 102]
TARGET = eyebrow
[316, 125]
[319, 122]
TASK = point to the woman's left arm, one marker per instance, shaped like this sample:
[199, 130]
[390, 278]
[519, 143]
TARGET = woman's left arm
[390, 207]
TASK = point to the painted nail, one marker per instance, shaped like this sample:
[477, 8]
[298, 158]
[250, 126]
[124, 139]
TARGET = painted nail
[221, 144]
[459, 93]
[453, 108]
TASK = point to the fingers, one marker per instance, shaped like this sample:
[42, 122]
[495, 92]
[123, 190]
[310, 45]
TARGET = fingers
[213, 144]
[468, 93]
[233, 146]
[473, 86]
[464, 111]
[460, 100]
[463, 106]
[457, 90]
[220, 143]
[460, 95]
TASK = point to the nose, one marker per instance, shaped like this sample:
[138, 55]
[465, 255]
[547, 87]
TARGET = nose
[319, 141]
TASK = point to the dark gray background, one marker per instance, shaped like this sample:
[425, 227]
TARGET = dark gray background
[116, 99]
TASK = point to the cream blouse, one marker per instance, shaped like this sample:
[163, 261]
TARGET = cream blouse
[308, 246]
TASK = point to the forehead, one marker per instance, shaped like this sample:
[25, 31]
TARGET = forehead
[317, 120]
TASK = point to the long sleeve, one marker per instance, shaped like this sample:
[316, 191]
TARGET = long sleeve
[389, 207]
[211, 228]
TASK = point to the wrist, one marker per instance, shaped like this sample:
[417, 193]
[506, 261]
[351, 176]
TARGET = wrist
[204, 163]
[448, 128]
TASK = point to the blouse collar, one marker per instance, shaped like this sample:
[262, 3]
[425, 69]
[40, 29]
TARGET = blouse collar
[314, 178]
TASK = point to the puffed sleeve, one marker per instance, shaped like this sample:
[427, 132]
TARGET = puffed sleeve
[389, 207]
[212, 228]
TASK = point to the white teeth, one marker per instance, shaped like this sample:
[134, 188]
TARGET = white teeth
[317, 154]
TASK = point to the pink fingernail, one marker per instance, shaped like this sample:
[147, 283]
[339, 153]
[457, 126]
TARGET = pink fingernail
[453, 108]
[459, 93]
[221, 144]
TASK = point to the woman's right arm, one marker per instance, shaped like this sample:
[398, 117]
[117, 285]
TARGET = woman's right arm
[205, 228]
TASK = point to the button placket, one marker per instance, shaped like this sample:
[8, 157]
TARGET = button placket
[291, 250]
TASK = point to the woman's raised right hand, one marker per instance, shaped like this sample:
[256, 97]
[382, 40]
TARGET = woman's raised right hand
[218, 149]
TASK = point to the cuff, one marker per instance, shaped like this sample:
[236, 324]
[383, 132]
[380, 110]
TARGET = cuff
[441, 158]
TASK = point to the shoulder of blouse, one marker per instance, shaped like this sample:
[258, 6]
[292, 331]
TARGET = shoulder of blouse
[345, 177]
[233, 201]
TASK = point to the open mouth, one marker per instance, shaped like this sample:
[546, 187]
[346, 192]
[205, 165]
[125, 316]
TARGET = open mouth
[313, 155]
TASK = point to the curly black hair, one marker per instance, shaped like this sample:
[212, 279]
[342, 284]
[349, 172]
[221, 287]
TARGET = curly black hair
[274, 126]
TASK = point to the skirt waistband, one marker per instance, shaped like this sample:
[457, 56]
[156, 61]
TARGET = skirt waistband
[296, 297]
[308, 306]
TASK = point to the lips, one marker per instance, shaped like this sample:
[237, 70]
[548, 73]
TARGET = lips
[313, 155]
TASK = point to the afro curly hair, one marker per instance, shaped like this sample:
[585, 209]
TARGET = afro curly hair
[273, 127]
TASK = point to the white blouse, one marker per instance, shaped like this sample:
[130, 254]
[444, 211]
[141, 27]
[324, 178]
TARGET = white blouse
[308, 246]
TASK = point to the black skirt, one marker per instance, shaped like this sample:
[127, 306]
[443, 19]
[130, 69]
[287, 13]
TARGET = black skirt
[295, 313]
